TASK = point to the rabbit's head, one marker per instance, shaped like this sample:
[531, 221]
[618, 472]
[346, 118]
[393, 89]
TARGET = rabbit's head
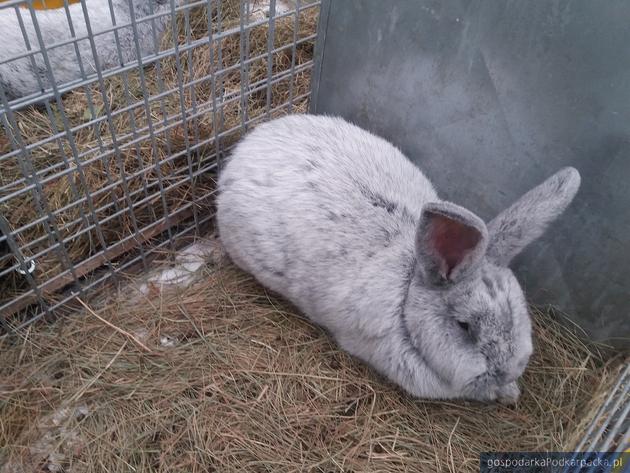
[466, 313]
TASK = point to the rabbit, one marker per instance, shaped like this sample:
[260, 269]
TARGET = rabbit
[22, 77]
[343, 225]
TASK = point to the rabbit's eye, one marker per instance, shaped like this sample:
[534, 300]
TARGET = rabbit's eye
[464, 326]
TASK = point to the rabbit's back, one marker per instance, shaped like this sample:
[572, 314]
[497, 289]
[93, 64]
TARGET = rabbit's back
[313, 206]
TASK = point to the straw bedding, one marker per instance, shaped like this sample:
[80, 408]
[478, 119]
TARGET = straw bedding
[222, 376]
[138, 162]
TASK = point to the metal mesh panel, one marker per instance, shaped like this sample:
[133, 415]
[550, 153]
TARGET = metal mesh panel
[114, 115]
[610, 428]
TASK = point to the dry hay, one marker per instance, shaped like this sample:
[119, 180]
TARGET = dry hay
[222, 376]
[143, 164]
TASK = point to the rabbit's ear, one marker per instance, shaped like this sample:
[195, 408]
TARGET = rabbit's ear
[526, 219]
[450, 242]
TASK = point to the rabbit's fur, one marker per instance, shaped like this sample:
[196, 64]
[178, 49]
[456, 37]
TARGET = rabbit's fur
[20, 77]
[339, 222]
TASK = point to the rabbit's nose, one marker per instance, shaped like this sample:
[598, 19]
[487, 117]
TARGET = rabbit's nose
[522, 364]
[512, 370]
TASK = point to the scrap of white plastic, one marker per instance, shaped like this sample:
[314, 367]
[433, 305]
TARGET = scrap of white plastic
[29, 270]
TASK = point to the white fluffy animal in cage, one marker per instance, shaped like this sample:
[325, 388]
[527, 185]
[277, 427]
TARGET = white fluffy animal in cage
[28, 75]
[342, 224]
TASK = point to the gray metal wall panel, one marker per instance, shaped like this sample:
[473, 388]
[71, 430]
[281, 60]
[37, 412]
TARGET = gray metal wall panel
[491, 97]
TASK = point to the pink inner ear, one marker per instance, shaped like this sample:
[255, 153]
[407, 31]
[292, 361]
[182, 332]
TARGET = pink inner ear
[452, 240]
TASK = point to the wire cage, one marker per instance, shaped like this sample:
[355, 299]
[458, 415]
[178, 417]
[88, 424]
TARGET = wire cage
[610, 428]
[115, 115]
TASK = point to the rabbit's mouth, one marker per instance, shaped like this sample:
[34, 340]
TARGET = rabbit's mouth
[486, 387]
[482, 387]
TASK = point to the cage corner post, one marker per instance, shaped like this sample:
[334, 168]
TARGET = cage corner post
[318, 56]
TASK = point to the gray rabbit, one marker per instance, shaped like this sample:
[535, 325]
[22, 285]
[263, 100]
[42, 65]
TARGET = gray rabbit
[339, 222]
[21, 77]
